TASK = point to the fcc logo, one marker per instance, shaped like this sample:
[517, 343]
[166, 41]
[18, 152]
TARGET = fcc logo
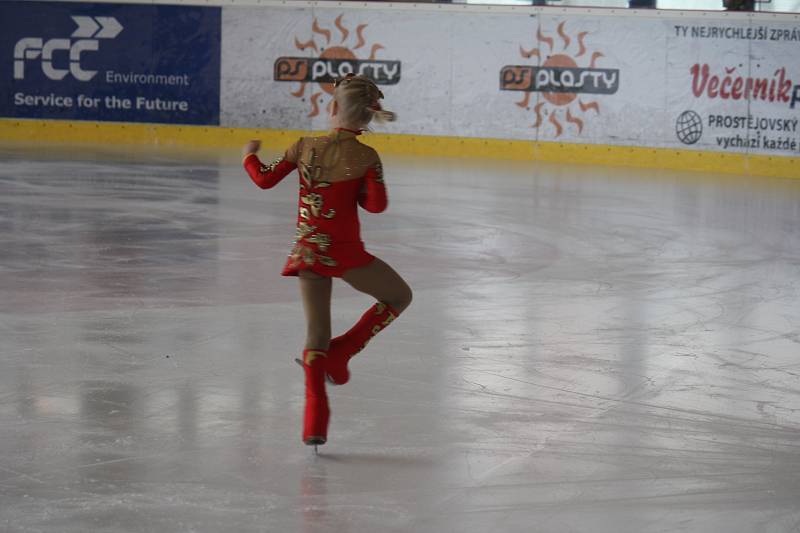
[84, 39]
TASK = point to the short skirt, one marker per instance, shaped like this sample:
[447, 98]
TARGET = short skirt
[336, 260]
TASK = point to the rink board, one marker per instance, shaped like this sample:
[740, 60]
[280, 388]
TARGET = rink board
[670, 89]
[276, 140]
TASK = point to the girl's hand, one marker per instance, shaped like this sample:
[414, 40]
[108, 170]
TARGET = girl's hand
[251, 147]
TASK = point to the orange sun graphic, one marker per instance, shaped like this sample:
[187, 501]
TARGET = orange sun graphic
[560, 99]
[340, 51]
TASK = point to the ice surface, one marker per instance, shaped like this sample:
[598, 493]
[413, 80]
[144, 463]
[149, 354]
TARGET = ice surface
[589, 350]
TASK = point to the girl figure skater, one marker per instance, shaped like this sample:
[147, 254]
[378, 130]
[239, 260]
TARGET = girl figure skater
[337, 173]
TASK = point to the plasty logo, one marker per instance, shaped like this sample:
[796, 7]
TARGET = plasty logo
[334, 62]
[560, 81]
[29, 48]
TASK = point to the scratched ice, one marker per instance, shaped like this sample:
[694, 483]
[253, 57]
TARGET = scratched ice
[589, 350]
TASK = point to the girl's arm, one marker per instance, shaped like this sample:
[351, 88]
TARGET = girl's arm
[267, 176]
[373, 196]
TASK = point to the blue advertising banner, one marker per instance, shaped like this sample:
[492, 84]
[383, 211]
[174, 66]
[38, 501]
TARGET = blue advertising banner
[114, 62]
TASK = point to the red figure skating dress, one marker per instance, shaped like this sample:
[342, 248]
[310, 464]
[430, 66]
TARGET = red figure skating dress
[337, 174]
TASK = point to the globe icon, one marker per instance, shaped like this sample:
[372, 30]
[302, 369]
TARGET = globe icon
[689, 127]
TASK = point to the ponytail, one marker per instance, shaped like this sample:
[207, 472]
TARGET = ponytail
[381, 115]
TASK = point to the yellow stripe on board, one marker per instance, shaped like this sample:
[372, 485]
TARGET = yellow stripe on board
[597, 154]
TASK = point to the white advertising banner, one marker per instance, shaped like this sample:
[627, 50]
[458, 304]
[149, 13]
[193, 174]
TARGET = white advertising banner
[678, 80]
[583, 79]
[735, 87]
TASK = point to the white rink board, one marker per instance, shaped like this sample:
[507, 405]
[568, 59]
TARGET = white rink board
[450, 66]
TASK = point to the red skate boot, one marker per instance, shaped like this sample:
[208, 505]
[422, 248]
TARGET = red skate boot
[343, 347]
[317, 412]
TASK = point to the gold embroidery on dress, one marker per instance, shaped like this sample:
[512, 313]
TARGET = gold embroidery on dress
[314, 202]
[271, 167]
[308, 256]
[303, 254]
[379, 172]
[313, 207]
[304, 230]
[322, 240]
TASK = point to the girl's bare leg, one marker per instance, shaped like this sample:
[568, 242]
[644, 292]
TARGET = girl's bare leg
[380, 281]
[316, 293]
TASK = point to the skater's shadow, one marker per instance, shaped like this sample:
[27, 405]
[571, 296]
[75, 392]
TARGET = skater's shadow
[376, 459]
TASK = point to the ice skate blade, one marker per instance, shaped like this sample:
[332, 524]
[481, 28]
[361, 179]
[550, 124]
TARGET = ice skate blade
[315, 441]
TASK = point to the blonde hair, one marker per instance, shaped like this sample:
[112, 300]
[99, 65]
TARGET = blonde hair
[359, 101]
